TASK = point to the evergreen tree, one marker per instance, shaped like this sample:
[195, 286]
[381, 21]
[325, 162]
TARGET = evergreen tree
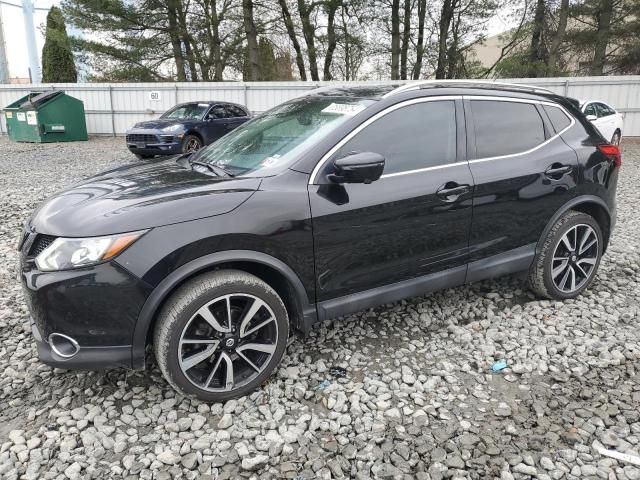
[57, 58]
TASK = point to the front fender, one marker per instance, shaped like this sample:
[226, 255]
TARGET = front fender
[201, 264]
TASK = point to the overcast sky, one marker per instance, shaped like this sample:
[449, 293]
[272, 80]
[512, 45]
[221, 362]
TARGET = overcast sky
[14, 34]
[16, 45]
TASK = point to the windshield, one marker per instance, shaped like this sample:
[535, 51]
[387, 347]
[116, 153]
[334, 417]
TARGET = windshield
[190, 111]
[272, 140]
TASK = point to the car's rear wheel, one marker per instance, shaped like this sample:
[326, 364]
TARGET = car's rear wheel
[191, 143]
[221, 335]
[615, 140]
[569, 258]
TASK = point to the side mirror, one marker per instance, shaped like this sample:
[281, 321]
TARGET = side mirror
[364, 167]
[591, 118]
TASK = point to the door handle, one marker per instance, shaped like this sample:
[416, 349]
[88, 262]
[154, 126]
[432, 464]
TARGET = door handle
[450, 191]
[557, 170]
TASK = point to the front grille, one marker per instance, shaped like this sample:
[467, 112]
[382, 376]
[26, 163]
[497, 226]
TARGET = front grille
[41, 242]
[141, 138]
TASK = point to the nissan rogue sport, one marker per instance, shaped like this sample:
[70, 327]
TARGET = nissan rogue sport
[331, 203]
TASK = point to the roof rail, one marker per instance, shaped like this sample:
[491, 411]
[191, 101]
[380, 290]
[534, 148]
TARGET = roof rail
[508, 86]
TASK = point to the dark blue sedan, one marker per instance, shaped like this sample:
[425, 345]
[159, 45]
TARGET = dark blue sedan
[185, 128]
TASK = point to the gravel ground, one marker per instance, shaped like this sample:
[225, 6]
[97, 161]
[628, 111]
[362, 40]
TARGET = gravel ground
[402, 391]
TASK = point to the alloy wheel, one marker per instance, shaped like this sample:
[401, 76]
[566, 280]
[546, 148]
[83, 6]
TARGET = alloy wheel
[575, 258]
[192, 145]
[228, 342]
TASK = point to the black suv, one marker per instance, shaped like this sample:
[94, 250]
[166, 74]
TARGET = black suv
[328, 204]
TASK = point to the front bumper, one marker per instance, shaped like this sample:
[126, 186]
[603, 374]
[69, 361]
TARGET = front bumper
[96, 306]
[153, 142]
[162, 149]
[87, 358]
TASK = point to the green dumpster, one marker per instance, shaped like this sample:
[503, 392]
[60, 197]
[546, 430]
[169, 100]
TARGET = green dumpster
[51, 116]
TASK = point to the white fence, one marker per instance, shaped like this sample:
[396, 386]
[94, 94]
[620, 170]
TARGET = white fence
[112, 108]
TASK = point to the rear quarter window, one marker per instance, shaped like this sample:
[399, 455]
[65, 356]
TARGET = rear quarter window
[505, 128]
[558, 118]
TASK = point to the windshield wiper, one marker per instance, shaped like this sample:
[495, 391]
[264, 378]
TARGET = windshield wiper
[221, 172]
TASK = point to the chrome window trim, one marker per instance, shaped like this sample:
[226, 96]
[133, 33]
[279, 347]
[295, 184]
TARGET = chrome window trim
[521, 100]
[425, 169]
[321, 163]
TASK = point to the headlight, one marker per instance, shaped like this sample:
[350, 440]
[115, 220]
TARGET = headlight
[173, 128]
[67, 253]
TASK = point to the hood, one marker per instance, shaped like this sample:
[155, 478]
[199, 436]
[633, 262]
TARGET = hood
[161, 123]
[138, 197]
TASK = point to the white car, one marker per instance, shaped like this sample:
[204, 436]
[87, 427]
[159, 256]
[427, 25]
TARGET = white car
[605, 118]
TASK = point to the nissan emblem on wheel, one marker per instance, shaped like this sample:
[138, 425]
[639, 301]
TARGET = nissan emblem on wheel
[334, 202]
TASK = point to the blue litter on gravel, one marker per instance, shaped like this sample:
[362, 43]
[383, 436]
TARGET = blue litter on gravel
[498, 366]
[325, 384]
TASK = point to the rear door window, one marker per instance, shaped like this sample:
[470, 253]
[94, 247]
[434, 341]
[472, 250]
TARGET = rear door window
[505, 128]
[603, 110]
[558, 118]
[237, 111]
[232, 111]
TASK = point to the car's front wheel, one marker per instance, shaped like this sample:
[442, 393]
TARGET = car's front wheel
[221, 335]
[191, 143]
[569, 257]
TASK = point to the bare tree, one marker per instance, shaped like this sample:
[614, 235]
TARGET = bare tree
[558, 37]
[293, 37]
[309, 32]
[406, 39]
[395, 40]
[446, 15]
[252, 40]
[417, 66]
[536, 48]
[604, 14]
[331, 7]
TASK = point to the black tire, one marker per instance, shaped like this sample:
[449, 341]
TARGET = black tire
[541, 271]
[181, 309]
[615, 140]
[143, 156]
[191, 143]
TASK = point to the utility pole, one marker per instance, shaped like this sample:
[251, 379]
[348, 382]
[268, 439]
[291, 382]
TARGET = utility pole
[4, 66]
[30, 33]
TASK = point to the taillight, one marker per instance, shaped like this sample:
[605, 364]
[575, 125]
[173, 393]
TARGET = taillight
[611, 151]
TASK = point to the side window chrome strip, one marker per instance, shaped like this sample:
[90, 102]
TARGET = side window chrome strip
[425, 169]
[522, 100]
[362, 126]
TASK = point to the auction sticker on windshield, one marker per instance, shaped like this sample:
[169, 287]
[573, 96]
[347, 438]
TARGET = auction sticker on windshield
[343, 108]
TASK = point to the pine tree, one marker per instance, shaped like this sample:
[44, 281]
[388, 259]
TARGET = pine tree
[57, 58]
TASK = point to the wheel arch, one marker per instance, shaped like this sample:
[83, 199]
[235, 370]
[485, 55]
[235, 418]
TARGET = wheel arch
[274, 272]
[195, 133]
[589, 204]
